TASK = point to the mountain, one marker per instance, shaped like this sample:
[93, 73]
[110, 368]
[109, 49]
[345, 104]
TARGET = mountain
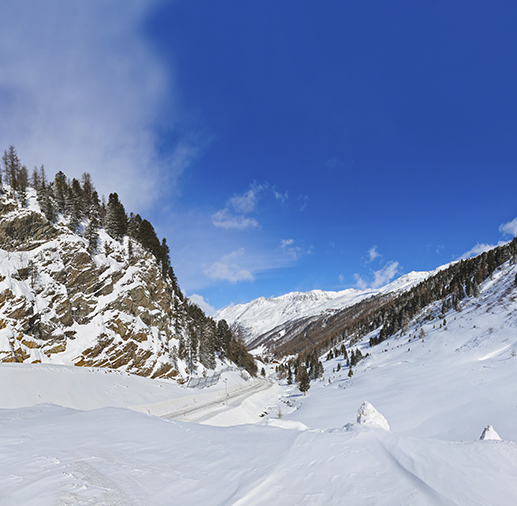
[264, 316]
[77, 290]
[314, 330]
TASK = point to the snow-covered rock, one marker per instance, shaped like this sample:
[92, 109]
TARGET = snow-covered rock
[368, 415]
[489, 434]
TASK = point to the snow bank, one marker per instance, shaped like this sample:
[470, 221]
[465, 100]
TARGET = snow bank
[489, 434]
[287, 424]
[368, 415]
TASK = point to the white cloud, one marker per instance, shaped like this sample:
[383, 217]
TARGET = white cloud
[478, 249]
[385, 275]
[228, 269]
[81, 90]
[246, 202]
[225, 219]
[341, 278]
[509, 228]
[288, 246]
[380, 278]
[200, 301]
[360, 282]
[373, 253]
[282, 197]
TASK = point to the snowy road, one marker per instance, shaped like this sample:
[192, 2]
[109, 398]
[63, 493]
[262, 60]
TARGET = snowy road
[217, 402]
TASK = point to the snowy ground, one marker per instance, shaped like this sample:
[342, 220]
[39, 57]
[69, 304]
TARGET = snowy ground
[437, 394]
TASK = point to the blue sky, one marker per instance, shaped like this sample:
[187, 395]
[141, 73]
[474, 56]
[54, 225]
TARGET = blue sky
[277, 145]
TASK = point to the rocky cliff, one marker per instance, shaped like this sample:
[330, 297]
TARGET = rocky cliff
[59, 303]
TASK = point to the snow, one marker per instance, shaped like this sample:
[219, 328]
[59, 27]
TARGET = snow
[73, 436]
[368, 415]
[264, 314]
[489, 434]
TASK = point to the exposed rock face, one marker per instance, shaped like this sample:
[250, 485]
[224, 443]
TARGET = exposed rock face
[61, 304]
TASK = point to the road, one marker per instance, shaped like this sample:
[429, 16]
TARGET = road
[198, 412]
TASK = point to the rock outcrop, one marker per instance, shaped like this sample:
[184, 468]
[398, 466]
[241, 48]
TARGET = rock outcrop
[59, 303]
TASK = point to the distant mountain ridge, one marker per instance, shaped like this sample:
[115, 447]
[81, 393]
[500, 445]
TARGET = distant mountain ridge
[262, 315]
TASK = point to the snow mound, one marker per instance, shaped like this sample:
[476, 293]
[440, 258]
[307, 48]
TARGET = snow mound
[489, 434]
[287, 424]
[368, 415]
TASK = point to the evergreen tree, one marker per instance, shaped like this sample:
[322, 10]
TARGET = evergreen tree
[12, 166]
[23, 181]
[60, 191]
[87, 189]
[174, 283]
[46, 202]
[289, 376]
[92, 235]
[36, 179]
[191, 345]
[165, 259]
[94, 210]
[304, 382]
[116, 219]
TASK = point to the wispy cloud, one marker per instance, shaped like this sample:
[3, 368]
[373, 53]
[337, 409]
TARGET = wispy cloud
[304, 202]
[373, 254]
[478, 249]
[81, 90]
[234, 214]
[381, 277]
[247, 202]
[288, 246]
[225, 219]
[228, 269]
[201, 302]
[385, 275]
[282, 197]
[509, 228]
[360, 282]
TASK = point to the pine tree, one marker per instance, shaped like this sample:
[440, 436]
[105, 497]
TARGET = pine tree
[12, 166]
[92, 235]
[36, 179]
[60, 190]
[304, 382]
[23, 181]
[94, 209]
[116, 219]
[46, 202]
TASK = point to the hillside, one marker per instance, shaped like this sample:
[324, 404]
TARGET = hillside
[262, 315]
[82, 283]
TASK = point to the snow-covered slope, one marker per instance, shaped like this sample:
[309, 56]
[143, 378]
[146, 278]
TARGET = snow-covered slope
[436, 391]
[264, 314]
[114, 304]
